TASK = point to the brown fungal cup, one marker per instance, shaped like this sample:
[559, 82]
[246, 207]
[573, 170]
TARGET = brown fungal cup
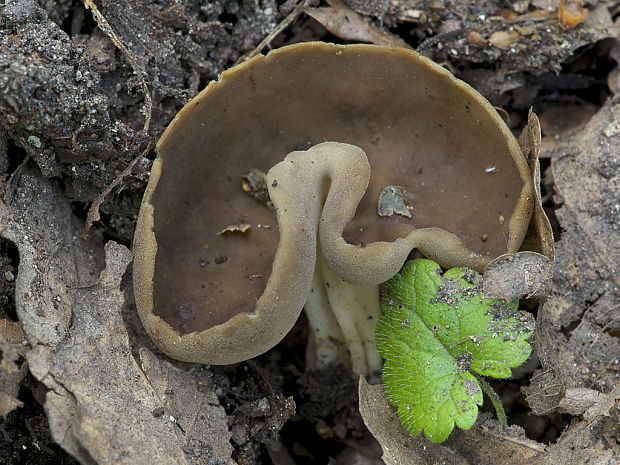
[421, 160]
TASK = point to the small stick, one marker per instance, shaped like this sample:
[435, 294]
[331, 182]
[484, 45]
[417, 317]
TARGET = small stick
[286, 22]
[536, 447]
[93, 211]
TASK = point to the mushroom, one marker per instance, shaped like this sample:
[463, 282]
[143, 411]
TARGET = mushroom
[387, 152]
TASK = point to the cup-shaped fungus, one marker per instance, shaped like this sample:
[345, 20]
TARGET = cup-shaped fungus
[387, 152]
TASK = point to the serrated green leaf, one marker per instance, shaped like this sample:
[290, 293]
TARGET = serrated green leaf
[435, 331]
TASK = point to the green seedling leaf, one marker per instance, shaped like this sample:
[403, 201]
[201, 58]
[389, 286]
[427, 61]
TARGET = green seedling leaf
[436, 333]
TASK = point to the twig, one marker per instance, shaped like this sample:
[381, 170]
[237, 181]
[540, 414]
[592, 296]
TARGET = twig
[534, 16]
[140, 71]
[286, 22]
[93, 211]
[136, 64]
[537, 447]
[538, 375]
[432, 41]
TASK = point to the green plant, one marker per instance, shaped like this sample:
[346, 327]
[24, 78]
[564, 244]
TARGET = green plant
[438, 336]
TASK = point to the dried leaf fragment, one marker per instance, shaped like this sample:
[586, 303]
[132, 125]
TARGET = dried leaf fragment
[12, 348]
[513, 276]
[412, 15]
[587, 441]
[392, 202]
[504, 39]
[571, 13]
[530, 142]
[189, 397]
[577, 400]
[398, 445]
[544, 392]
[346, 24]
[255, 185]
[234, 228]
[475, 38]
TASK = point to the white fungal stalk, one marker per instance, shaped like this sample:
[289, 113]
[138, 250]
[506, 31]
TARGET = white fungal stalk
[342, 318]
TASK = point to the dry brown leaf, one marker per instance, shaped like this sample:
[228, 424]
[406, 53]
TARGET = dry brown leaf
[575, 327]
[45, 232]
[577, 400]
[346, 24]
[528, 273]
[591, 440]
[398, 445]
[13, 348]
[102, 406]
[113, 403]
[488, 444]
[530, 141]
[514, 276]
[545, 391]
[189, 402]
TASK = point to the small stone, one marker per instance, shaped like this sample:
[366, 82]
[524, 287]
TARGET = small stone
[34, 140]
[475, 38]
[504, 39]
[612, 130]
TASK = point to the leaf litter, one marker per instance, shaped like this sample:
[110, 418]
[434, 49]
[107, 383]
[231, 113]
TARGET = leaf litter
[13, 348]
[70, 311]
